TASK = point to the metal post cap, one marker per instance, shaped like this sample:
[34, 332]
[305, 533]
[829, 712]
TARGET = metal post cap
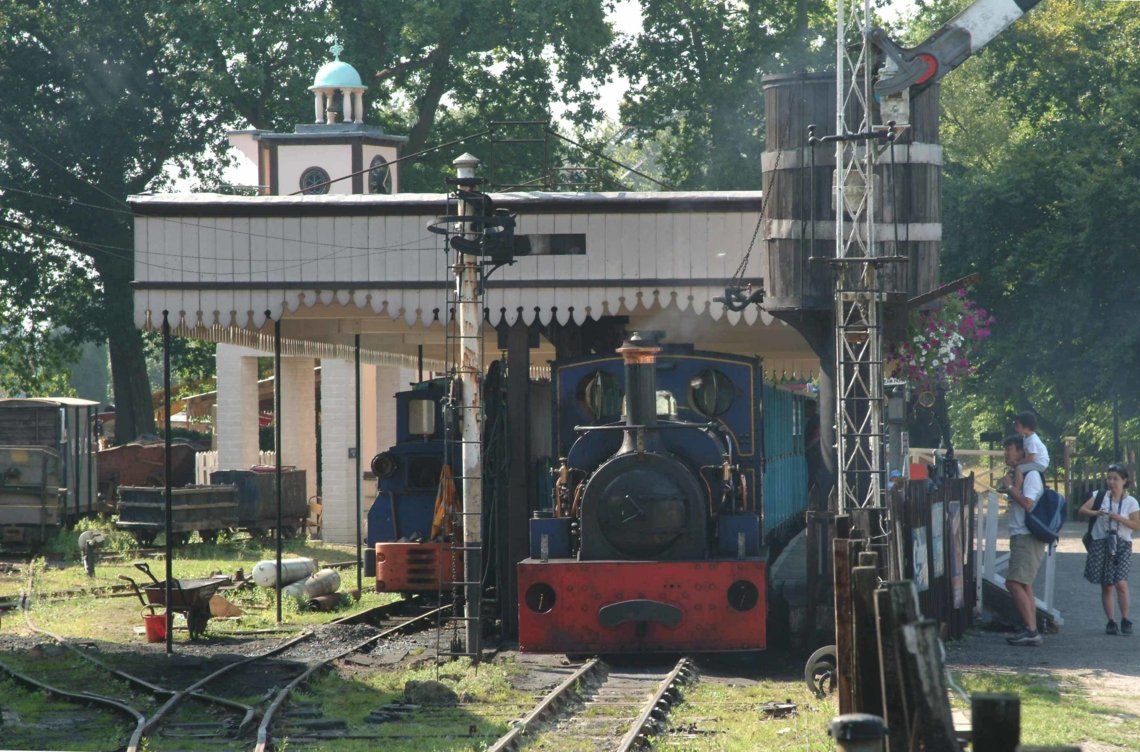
[854, 727]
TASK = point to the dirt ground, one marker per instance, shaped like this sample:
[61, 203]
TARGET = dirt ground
[1107, 667]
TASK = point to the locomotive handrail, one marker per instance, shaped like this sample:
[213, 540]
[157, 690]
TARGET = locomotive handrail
[659, 426]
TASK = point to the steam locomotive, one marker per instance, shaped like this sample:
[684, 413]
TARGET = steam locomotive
[656, 539]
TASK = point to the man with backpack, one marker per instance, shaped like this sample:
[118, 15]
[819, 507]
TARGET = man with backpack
[1026, 552]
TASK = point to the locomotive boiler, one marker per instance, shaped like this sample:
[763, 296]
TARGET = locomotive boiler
[653, 540]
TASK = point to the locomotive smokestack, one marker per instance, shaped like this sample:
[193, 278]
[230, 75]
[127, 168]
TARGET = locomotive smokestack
[640, 355]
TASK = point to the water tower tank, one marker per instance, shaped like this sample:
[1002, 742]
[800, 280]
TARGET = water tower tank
[908, 203]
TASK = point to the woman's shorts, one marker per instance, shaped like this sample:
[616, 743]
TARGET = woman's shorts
[1025, 556]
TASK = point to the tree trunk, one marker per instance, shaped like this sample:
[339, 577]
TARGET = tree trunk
[134, 412]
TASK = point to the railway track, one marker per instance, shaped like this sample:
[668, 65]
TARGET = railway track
[199, 703]
[601, 707]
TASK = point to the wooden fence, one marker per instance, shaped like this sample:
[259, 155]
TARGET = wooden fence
[935, 531]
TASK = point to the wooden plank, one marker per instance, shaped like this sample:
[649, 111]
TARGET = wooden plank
[867, 659]
[892, 677]
[844, 642]
[923, 663]
[995, 720]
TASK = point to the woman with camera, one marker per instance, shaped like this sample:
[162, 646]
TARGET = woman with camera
[1117, 515]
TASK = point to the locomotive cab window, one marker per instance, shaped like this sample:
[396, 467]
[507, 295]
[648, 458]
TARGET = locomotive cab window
[666, 404]
[600, 395]
[711, 392]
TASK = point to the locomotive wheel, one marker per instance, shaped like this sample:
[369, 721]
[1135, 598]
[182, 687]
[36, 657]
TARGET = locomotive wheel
[820, 671]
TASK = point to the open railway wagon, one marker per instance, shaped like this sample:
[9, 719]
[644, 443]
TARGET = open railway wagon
[47, 467]
[234, 500]
[656, 540]
[143, 464]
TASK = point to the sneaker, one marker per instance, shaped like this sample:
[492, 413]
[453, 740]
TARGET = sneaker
[1110, 628]
[1019, 634]
[1029, 638]
[1125, 626]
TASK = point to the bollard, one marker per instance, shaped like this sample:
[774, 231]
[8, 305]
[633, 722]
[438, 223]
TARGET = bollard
[857, 732]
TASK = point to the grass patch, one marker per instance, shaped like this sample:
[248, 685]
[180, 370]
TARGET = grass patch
[719, 717]
[36, 720]
[1055, 712]
[461, 706]
[85, 615]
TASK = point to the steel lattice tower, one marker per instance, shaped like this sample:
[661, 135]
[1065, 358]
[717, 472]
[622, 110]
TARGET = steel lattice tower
[858, 292]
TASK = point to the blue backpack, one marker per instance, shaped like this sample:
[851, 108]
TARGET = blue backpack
[1047, 516]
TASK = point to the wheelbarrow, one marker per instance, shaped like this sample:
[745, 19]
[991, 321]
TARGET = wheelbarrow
[191, 598]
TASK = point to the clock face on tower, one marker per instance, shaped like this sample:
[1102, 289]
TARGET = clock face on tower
[314, 180]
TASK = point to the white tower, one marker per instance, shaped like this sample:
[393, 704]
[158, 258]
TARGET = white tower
[326, 157]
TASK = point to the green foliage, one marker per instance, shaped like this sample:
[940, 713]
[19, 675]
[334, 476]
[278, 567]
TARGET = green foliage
[1042, 190]
[696, 86]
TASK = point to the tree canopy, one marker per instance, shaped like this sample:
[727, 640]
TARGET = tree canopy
[116, 97]
[1041, 195]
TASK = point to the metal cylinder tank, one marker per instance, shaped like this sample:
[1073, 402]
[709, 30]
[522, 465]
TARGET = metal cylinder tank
[908, 204]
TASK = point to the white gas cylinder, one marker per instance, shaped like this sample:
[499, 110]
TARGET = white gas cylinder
[292, 570]
[324, 582]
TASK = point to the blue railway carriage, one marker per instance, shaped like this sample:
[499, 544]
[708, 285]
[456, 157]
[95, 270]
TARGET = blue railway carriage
[48, 477]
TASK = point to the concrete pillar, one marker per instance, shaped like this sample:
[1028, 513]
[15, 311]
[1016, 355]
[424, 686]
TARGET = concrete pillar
[236, 426]
[338, 433]
[299, 419]
[319, 106]
[346, 105]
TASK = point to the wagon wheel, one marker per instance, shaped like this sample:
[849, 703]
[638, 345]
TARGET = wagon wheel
[820, 671]
[180, 539]
[144, 538]
[208, 536]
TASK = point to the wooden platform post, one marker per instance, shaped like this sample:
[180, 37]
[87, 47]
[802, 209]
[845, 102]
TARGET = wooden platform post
[923, 662]
[996, 722]
[896, 604]
[867, 660]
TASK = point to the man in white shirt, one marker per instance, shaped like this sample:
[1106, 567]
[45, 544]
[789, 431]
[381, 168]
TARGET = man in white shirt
[1025, 552]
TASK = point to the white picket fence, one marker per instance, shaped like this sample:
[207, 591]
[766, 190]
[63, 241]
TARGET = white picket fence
[990, 562]
[207, 462]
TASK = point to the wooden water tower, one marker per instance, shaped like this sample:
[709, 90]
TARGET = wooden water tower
[800, 221]
[908, 210]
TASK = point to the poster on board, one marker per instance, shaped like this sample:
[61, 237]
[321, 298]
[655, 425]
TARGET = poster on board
[921, 567]
[937, 541]
[957, 563]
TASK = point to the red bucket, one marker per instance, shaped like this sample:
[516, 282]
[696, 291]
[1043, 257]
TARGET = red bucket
[155, 625]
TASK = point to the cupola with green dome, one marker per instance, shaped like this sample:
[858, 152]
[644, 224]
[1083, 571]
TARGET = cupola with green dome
[337, 76]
